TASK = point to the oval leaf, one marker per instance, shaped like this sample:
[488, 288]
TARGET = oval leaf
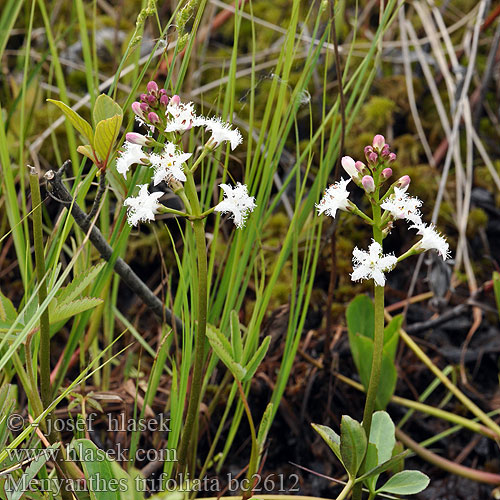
[352, 444]
[331, 438]
[106, 133]
[382, 435]
[105, 108]
[222, 348]
[407, 482]
[83, 126]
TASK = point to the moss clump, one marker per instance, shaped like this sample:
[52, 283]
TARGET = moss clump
[378, 113]
[478, 219]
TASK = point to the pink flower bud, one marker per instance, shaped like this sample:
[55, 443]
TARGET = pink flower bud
[153, 117]
[152, 87]
[163, 92]
[151, 100]
[392, 157]
[386, 173]
[164, 100]
[144, 97]
[403, 182]
[349, 166]
[135, 138]
[372, 158]
[368, 150]
[136, 108]
[378, 142]
[360, 167]
[385, 151]
[368, 183]
[175, 100]
[144, 107]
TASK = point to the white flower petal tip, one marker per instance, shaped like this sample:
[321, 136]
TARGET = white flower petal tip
[143, 207]
[335, 198]
[402, 206]
[168, 164]
[371, 264]
[349, 165]
[237, 202]
[221, 132]
[131, 153]
[181, 116]
[432, 240]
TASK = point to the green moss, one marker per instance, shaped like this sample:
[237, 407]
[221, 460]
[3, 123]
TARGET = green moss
[378, 113]
[478, 219]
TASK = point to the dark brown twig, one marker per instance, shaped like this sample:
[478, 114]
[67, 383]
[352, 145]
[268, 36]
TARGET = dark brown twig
[125, 272]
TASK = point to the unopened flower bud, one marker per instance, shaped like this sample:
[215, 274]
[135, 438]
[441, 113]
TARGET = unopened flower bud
[144, 107]
[373, 158]
[403, 182]
[368, 150]
[175, 100]
[349, 165]
[135, 138]
[144, 97]
[151, 100]
[152, 87]
[368, 183]
[136, 108]
[392, 157]
[378, 142]
[385, 151]
[163, 92]
[360, 167]
[153, 117]
[386, 173]
[164, 100]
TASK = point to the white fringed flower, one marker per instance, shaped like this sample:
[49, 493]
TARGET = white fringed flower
[181, 116]
[402, 206]
[432, 240]
[236, 201]
[335, 198]
[371, 264]
[168, 164]
[221, 132]
[142, 207]
[130, 154]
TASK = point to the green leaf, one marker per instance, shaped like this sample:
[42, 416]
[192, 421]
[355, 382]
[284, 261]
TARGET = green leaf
[407, 482]
[8, 312]
[360, 316]
[102, 483]
[382, 439]
[330, 437]
[61, 312]
[236, 337]
[106, 133]
[388, 373]
[8, 398]
[391, 335]
[105, 108]
[87, 151]
[382, 435]
[265, 425]
[222, 348]
[79, 284]
[82, 125]
[257, 358]
[352, 444]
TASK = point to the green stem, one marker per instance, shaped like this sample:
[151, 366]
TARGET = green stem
[45, 386]
[252, 466]
[347, 488]
[199, 342]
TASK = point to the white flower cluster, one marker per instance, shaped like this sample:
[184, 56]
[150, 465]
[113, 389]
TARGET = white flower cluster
[169, 164]
[373, 263]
